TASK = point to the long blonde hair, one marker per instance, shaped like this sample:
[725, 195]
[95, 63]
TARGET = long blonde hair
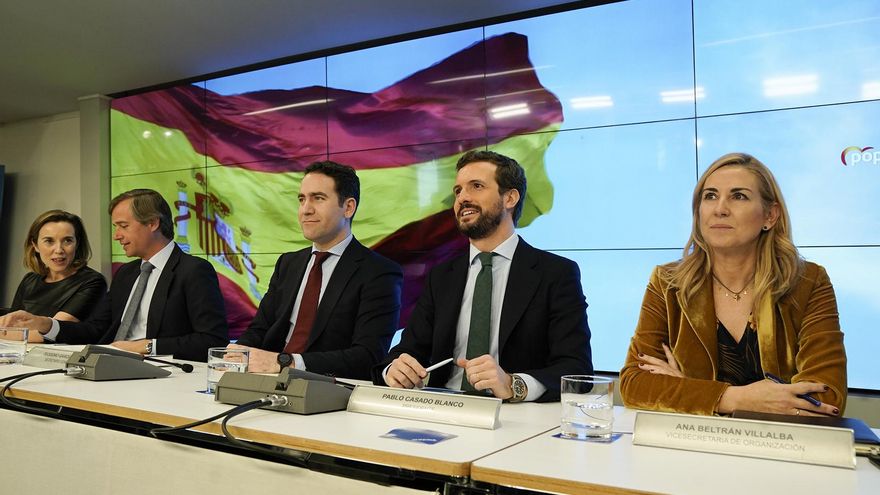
[778, 262]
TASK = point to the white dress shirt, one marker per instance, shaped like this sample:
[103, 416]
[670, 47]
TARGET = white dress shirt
[139, 324]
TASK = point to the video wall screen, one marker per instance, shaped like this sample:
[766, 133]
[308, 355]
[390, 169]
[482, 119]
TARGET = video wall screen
[613, 110]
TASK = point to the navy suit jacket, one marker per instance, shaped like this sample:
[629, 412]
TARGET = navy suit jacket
[186, 316]
[357, 316]
[543, 330]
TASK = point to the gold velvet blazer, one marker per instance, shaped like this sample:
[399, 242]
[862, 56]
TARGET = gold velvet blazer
[799, 339]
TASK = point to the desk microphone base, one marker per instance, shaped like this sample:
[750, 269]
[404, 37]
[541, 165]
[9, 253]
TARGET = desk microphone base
[303, 396]
[98, 364]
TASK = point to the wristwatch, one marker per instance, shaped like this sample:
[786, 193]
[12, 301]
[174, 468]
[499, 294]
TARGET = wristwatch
[519, 387]
[285, 360]
[149, 350]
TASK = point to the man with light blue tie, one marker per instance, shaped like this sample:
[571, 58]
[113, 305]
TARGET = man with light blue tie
[513, 317]
[165, 302]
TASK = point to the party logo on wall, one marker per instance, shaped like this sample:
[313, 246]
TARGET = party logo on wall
[853, 155]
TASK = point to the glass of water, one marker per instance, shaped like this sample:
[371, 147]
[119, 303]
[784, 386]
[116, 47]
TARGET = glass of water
[587, 407]
[13, 344]
[223, 359]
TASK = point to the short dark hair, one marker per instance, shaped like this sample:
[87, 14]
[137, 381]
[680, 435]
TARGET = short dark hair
[347, 184]
[508, 174]
[147, 205]
[83, 252]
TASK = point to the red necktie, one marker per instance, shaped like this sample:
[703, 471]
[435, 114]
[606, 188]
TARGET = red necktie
[308, 307]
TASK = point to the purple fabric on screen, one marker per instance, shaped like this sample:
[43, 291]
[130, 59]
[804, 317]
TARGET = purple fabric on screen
[443, 105]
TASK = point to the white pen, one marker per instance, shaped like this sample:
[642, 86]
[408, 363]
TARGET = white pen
[437, 365]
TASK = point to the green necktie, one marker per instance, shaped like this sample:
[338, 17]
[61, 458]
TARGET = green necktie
[481, 311]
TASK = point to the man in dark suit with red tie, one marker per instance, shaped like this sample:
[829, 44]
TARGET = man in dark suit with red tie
[331, 308]
[513, 316]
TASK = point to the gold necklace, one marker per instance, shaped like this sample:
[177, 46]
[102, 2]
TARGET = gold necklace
[735, 295]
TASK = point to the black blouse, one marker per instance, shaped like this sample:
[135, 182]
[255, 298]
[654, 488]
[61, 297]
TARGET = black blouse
[77, 294]
[739, 363]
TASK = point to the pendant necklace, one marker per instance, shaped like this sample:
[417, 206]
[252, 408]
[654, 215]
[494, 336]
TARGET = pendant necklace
[735, 295]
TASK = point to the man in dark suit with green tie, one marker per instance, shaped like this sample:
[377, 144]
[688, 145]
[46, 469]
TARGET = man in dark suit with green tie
[513, 316]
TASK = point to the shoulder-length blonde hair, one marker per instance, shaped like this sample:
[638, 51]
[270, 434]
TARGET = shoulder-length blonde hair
[83, 252]
[778, 262]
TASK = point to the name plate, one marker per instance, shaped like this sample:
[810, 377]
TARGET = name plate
[49, 357]
[808, 444]
[435, 407]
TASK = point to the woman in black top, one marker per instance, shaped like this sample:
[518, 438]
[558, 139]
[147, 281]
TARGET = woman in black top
[59, 284]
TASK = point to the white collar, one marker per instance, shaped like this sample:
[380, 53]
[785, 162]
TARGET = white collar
[160, 259]
[340, 246]
[505, 249]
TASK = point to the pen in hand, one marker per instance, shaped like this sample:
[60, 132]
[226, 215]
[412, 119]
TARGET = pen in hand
[437, 365]
[775, 379]
[431, 368]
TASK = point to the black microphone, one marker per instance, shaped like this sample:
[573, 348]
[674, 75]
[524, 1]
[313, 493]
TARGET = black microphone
[308, 375]
[186, 367]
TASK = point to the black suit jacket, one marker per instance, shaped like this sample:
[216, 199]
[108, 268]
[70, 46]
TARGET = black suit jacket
[356, 319]
[186, 314]
[543, 330]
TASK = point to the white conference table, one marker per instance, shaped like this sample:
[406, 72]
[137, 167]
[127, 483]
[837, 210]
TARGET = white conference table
[522, 453]
[175, 400]
[49, 456]
[547, 463]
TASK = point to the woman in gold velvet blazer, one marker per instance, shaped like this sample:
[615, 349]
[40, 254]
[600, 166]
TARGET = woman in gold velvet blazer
[702, 347]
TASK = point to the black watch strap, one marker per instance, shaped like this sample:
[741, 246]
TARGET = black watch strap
[285, 360]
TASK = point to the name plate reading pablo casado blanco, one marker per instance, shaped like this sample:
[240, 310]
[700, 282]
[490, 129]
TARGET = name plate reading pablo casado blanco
[809, 444]
[435, 407]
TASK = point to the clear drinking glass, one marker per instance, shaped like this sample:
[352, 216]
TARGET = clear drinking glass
[13, 344]
[223, 359]
[587, 407]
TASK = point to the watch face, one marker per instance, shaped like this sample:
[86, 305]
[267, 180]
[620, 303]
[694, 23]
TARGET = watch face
[519, 388]
[285, 359]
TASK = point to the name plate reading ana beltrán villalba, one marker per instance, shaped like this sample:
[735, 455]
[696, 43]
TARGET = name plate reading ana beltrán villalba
[809, 444]
[436, 407]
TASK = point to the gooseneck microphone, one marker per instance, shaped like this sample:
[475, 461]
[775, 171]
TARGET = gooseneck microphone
[186, 367]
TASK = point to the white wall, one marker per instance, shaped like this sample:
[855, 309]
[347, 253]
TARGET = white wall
[42, 159]
[59, 162]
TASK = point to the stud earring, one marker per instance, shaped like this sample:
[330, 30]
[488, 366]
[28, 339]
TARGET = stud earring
[765, 228]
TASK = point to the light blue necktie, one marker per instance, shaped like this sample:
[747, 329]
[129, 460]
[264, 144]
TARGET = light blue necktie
[135, 304]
